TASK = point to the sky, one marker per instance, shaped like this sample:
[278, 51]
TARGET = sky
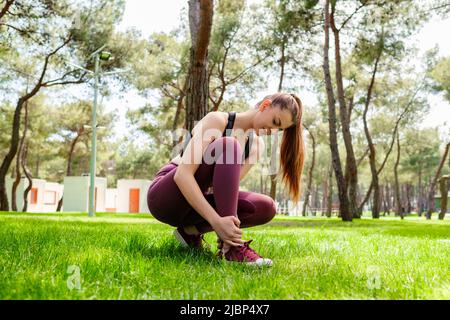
[148, 18]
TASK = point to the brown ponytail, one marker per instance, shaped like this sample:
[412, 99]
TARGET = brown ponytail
[292, 151]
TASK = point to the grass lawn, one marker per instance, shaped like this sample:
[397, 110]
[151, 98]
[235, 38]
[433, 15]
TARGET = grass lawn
[125, 256]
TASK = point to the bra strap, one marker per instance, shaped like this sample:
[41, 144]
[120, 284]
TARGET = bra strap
[230, 124]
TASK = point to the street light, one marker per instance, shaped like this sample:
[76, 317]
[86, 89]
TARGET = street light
[98, 55]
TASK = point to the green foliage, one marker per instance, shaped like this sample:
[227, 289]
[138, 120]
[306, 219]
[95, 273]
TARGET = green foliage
[136, 161]
[421, 152]
[441, 76]
[6, 114]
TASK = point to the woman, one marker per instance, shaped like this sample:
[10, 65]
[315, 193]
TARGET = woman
[220, 153]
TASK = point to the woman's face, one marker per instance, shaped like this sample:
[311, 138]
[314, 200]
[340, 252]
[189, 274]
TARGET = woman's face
[269, 120]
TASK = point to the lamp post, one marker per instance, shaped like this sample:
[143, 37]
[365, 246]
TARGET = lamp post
[104, 56]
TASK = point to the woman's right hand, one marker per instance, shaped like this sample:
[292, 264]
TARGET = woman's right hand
[227, 229]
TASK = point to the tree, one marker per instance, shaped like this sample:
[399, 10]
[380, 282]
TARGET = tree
[443, 188]
[73, 119]
[78, 40]
[20, 159]
[434, 181]
[197, 94]
[235, 54]
[441, 77]
[344, 204]
[311, 168]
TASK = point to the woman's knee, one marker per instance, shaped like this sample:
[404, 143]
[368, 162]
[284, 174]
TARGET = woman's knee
[226, 147]
[266, 209]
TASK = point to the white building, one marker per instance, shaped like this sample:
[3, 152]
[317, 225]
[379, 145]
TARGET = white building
[52, 194]
[76, 194]
[35, 197]
[111, 200]
[132, 196]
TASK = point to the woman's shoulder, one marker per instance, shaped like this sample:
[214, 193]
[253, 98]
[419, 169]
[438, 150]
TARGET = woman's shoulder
[218, 115]
[213, 119]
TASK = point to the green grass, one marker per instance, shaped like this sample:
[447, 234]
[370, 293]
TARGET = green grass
[125, 256]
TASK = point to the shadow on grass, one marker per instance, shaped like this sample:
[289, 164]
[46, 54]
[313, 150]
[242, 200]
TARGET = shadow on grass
[167, 249]
[169, 252]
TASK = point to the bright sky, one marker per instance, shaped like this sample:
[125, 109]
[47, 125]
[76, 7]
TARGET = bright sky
[148, 17]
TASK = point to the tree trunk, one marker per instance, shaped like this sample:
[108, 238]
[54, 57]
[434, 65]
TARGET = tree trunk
[385, 198]
[351, 170]
[443, 187]
[316, 199]
[408, 198]
[330, 192]
[372, 151]
[344, 205]
[17, 177]
[311, 170]
[4, 205]
[433, 183]
[18, 161]
[388, 198]
[323, 204]
[22, 158]
[197, 95]
[419, 194]
[29, 178]
[398, 206]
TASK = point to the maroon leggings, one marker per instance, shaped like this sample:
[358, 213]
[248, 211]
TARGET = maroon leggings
[167, 204]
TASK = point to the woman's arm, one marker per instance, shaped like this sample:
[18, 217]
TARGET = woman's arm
[256, 152]
[208, 129]
[203, 134]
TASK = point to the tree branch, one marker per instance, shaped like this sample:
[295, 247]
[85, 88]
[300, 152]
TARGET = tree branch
[48, 83]
[351, 16]
[6, 8]
[240, 75]
[397, 123]
[15, 28]
[79, 80]
[44, 70]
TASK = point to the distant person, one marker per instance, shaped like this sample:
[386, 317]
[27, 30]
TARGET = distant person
[221, 151]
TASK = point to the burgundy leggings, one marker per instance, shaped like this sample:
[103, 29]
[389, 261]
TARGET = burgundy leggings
[167, 204]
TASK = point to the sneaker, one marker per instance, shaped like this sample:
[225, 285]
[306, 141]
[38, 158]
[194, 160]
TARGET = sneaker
[188, 240]
[243, 254]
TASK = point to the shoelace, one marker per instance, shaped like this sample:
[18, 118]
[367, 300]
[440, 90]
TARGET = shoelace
[246, 251]
[243, 251]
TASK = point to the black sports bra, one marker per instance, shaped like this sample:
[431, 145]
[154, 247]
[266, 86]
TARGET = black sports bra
[226, 132]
